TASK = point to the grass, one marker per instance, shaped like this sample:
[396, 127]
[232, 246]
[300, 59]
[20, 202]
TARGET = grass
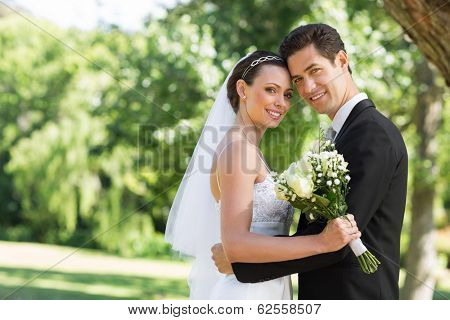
[441, 294]
[91, 275]
[86, 286]
[86, 275]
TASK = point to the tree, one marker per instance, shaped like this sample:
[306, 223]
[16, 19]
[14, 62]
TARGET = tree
[426, 22]
[35, 76]
[60, 182]
[421, 256]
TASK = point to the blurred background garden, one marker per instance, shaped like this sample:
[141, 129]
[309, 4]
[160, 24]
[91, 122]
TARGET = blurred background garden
[100, 111]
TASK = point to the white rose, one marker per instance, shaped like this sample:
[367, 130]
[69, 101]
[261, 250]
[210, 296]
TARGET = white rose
[305, 189]
[305, 166]
[292, 170]
[302, 186]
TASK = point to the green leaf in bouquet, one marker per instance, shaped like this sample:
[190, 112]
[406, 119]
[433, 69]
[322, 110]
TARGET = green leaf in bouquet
[322, 201]
[309, 207]
[299, 204]
[331, 196]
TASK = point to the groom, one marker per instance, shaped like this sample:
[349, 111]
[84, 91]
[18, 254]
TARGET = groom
[378, 164]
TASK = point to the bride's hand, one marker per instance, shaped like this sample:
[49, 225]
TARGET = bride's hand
[220, 259]
[339, 232]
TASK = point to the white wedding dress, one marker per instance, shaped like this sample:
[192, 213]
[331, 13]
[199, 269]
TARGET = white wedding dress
[270, 217]
[193, 225]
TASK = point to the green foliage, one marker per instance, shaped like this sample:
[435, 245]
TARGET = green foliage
[94, 140]
[55, 176]
[77, 132]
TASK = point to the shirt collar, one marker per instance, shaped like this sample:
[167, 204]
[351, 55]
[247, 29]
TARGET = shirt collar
[344, 111]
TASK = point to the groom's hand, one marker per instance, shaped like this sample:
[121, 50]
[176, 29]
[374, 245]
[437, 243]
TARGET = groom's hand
[220, 259]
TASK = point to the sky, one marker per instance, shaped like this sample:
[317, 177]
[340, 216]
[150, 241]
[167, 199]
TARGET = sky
[86, 14]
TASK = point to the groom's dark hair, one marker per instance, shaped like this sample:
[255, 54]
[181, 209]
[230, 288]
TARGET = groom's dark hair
[325, 39]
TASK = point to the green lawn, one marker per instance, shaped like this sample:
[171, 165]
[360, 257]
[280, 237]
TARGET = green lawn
[441, 294]
[88, 275]
[85, 275]
[64, 285]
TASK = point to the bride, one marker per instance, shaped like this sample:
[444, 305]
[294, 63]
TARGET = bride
[227, 194]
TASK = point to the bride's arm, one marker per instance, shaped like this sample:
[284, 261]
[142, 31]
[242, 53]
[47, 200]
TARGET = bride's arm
[237, 171]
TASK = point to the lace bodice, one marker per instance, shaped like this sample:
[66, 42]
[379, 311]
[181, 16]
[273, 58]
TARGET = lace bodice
[266, 207]
[268, 210]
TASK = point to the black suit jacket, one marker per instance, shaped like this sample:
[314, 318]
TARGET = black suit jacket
[378, 164]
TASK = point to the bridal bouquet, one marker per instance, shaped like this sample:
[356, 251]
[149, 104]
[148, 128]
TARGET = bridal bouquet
[318, 185]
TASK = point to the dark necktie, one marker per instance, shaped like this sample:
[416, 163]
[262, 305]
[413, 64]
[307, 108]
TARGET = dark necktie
[330, 134]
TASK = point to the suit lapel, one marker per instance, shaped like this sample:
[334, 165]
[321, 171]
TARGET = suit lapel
[357, 109]
[360, 106]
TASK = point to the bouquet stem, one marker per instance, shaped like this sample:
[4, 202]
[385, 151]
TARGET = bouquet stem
[367, 261]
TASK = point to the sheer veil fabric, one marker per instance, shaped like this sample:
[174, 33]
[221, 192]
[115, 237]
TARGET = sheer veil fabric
[193, 226]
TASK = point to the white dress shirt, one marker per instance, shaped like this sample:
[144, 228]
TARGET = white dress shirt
[343, 113]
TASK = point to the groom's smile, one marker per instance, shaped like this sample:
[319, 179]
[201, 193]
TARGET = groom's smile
[320, 82]
[317, 96]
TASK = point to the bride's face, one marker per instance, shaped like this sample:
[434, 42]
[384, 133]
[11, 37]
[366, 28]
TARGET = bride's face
[268, 98]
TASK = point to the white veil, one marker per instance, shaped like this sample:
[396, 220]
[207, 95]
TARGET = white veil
[193, 226]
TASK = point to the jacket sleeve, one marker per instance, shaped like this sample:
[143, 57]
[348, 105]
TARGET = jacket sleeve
[370, 155]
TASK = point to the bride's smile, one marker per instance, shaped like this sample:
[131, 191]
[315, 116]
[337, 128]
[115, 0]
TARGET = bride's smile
[267, 98]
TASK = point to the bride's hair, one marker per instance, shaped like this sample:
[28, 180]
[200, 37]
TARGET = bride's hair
[246, 71]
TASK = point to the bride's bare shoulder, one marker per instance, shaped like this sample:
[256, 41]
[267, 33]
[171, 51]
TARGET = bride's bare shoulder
[234, 146]
[237, 156]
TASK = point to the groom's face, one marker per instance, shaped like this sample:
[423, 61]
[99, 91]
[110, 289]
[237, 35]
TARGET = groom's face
[319, 81]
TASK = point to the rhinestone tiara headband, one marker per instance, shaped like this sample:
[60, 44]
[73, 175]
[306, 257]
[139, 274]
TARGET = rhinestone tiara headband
[258, 61]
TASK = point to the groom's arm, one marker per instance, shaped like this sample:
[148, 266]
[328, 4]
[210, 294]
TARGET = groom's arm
[372, 164]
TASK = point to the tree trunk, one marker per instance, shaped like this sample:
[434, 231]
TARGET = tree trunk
[421, 256]
[427, 24]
